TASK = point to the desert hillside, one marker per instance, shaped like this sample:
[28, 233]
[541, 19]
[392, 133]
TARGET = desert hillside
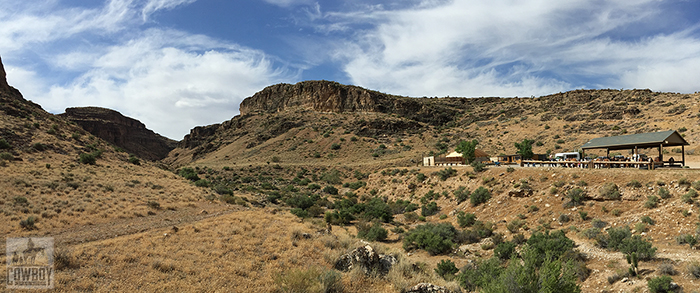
[316, 187]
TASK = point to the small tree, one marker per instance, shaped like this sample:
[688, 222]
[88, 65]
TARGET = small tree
[525, 148]
[446, 269]
[467, 149]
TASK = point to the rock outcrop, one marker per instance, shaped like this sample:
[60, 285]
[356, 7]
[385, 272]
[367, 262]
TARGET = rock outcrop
[367, 259]
[3, 80]
[124, 132]
[428, 288]
[327, 96]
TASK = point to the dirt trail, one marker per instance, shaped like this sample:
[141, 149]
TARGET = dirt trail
[120, 227]
[598, 254]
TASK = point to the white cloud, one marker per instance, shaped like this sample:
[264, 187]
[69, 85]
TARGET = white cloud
[170, 80]
[155, 5]
[167, 86]
[501, 47]
[289, 3]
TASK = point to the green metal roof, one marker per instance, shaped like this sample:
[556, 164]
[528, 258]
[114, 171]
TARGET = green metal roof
[641, 140]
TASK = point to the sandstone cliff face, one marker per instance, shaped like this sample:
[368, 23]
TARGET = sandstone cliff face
[322, 96]
[127, 133]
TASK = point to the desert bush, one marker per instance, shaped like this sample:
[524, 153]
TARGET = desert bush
[301, 213]
[559, 183]
[153, 204]
[583, 215]
[518, 239]
[696, 185]
[478, 166]
[688, 198]
[648, 220]
[339, 217]
[634, 184]
[598, 223]
[660, 284]
[563, 218]
[465, 219]
[479, 196]
[4, 144]
[591, 233]
[420, 177]
[694, 269]
[667, 269]
[636, 244]
[330, 190]
[664, 193]
[446, 269]
[609, 190]
[575, 196]
[374, 232]
[332, 177]
[355, 185]
[64, 259]
[691, 240]
[434, 238]
[652, 202]
[28, 224]
[335, 146]
[515, 225]
[87, 158]
[429, 209]
[640, 227]
[461, 194]
[189, 174]
[504, 250]
[547, 244]
[444, 174]
[616, 212]
[378, 209]
[134, 160]
[615, 237]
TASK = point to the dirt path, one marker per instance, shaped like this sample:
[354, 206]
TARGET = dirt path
[682, 254]
[120, 227]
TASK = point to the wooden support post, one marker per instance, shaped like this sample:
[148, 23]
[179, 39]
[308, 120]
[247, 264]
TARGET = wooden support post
[683, 154]
[661, 156]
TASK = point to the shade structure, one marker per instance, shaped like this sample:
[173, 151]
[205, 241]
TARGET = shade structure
[642, 140]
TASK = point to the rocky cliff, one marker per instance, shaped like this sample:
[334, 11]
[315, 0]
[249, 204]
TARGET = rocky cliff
[3, 81]
[127, 133]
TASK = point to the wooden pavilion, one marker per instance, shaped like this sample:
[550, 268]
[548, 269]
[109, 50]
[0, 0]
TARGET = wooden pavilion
[635, 142]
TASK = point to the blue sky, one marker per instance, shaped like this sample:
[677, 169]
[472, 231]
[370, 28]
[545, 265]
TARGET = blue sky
[177, 64]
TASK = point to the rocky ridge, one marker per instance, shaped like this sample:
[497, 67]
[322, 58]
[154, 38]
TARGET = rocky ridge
[127, 133]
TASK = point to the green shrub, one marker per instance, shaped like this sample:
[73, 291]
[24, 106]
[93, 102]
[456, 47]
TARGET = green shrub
[420, 177]
[515, 225]
[434, 238]
[4, 144]
[610, 191]
[371, 232]
[583, 215]
[478, 166]
[696, 185]
[548, 244]
[299, 213]
[634, 184]
[648, 220]
[335, 146]
[378, 209]
[479, 196]
[660, 284]
[694, 269]
[575, 196]
[652, 202]
[21, 200]
[153, 204]
[644, 249]
[444, 174]
[461, 194]
[332, 177]
[446, 269]
[87, 158]
[330, 190]
[189, 174]
[202, 183]
[504, 250]
[465, 219]
[28, 224]
[429, 209]
[664, 193]
[134, 160]
[339, 217]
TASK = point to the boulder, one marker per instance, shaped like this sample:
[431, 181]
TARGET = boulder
[427, 288]
[366, 258]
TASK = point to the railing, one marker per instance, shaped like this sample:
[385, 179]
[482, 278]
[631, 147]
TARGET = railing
[592, 164]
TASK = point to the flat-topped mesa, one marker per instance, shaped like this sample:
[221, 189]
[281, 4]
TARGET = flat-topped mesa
[321, 96]
[127, 133]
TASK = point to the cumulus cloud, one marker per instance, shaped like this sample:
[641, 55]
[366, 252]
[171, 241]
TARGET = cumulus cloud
[289, 3]
[170, 80]
[501, 47]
